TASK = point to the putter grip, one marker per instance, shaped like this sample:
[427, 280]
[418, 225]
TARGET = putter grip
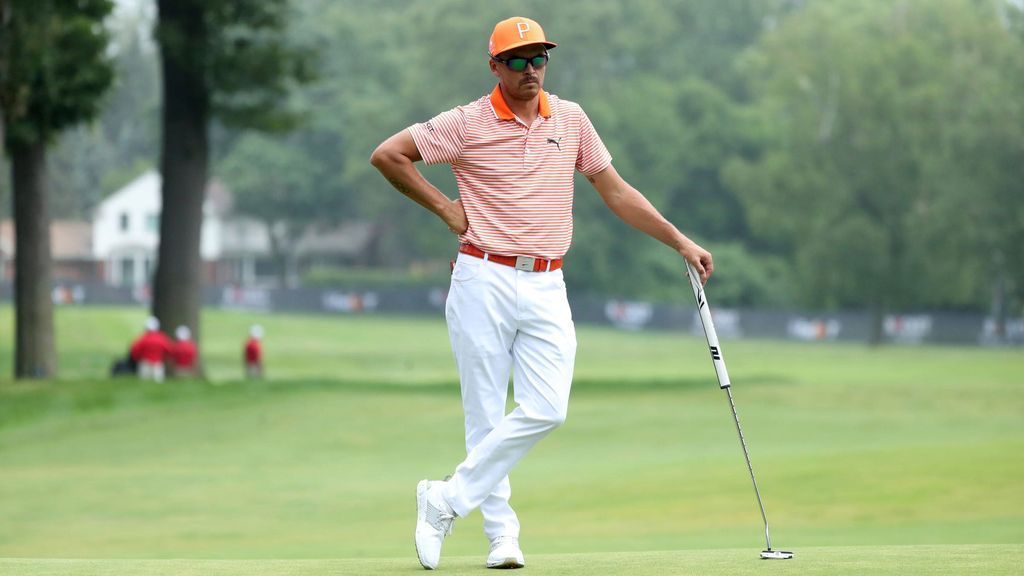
[709, 327]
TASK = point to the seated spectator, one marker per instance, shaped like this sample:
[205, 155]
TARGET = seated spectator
[126, 366]
[254, 353]
[150, 351]
[184, 355]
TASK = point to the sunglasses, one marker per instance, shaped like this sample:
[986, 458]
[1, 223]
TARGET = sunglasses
[518, 63]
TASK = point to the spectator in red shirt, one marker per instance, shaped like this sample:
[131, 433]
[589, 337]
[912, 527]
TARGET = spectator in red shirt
[184, 355]
[150, 351]
[254, 353]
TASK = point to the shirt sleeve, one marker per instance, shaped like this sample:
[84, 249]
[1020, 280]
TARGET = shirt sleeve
[592, 157]
[440, 140]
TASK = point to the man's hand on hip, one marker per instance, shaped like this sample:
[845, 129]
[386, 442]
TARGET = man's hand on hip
[455, 217]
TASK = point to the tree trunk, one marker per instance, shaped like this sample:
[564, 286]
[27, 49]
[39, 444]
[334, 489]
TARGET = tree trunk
[877, 333]
[35, 355]
[375, 253]
[184, 164]
[999, 307]
[277, 250]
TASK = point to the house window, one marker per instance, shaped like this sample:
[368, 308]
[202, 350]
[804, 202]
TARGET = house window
[124, 221]
[153, 222]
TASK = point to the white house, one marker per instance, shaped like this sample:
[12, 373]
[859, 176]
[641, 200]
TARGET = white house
[126, 230]
[244, 246]
[120, 245]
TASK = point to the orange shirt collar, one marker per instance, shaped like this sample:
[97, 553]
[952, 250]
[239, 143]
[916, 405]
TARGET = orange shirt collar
[502, 110]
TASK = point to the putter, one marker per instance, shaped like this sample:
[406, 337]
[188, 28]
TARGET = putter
[723, 382]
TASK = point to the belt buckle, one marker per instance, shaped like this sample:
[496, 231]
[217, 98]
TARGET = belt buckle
[525, 263]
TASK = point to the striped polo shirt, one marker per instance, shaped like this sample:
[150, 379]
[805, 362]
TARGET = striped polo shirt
[516, 183]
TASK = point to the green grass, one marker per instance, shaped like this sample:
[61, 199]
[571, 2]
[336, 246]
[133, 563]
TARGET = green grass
[891, 460]
[876, 560]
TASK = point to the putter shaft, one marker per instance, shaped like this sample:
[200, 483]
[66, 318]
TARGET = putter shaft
[746, 456]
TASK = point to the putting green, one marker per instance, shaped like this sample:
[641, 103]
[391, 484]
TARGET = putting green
[991, 560]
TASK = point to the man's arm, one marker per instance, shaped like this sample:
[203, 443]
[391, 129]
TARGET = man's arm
[634, 209]
[394, 159]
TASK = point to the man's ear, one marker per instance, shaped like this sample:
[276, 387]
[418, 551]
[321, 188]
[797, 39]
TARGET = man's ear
[494, 67]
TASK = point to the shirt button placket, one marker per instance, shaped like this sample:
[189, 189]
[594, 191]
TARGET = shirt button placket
[526, 148]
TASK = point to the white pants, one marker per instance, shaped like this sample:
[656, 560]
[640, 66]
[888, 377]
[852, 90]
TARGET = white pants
[151, 370]
[504, 321]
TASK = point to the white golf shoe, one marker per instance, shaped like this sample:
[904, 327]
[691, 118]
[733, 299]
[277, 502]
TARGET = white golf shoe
[434, 518]
[505, 553]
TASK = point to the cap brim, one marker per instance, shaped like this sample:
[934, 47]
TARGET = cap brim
[525, 43]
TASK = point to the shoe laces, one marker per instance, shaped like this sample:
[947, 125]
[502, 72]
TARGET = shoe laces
[439, 519]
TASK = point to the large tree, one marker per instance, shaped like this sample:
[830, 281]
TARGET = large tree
[878, 129]
[224, 59]
[53, 72]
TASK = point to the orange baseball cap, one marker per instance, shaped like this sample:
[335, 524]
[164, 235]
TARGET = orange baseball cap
[515, 32]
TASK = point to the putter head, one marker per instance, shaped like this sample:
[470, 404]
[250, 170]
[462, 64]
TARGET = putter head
[776, 555]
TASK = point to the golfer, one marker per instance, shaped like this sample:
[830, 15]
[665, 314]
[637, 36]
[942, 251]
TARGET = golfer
[513, 153]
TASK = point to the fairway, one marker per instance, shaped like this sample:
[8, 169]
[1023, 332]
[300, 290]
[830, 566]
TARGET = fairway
[893, 460]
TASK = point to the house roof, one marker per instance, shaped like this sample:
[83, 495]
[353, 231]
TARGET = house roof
[6, 238]
[69, 239]
[150, 182]
[146, 183]
[347, 239]
[220, 197]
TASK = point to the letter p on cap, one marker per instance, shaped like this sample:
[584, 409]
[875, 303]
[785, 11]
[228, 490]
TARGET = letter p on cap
[514, 32]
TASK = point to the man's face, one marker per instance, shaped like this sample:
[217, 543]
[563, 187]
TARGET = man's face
[523, 85]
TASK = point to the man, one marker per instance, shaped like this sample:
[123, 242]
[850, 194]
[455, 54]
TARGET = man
[252, 353]
[513, 153]
[150, 351]
[184, 354]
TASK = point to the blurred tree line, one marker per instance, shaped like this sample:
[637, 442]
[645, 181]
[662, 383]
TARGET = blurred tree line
[831, 153]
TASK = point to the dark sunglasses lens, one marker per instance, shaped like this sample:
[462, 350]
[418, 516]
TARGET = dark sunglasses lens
[516, 64]
[539, 61]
